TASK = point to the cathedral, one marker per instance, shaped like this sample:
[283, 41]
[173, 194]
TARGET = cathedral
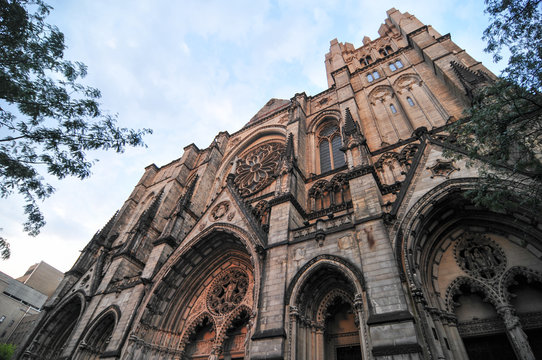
[330, 227]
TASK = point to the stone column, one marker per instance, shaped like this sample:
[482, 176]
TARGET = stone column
[320, 355]
[515, 333]
[454, 339]
[442, 349]
[215, 352]
[358, 306]
[294, 313]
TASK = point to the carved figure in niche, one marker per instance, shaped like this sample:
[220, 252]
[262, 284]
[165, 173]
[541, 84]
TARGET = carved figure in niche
[256, 170]
[220, 210]
[407, 154]
[261, 211]
[339, 189]
[390, 169]
[320, 195]
[227, 291]
[479, 256]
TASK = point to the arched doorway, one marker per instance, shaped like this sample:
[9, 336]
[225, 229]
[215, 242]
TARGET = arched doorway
[456, 258]
[50, 342]
[202, 306]
[326, 313]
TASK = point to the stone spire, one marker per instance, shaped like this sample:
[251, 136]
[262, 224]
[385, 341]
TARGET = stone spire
[471, 80]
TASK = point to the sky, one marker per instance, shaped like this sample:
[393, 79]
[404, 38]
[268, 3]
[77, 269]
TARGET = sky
[189, 69]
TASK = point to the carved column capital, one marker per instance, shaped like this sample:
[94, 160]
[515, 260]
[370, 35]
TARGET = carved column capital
[508, 314]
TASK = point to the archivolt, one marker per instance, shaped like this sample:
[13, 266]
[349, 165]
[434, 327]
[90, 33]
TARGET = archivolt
[335, 262]
[331, 114]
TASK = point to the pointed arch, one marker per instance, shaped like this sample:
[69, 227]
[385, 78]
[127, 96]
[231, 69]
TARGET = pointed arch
[56, 331]
[476, 286]
[96, 337]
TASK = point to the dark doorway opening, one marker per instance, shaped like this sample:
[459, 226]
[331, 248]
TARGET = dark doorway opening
[349, 353]
[489, 347]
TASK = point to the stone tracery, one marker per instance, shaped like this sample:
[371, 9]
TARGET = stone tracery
[256, 170]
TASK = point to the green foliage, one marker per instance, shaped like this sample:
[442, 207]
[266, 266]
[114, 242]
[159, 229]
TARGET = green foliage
[517, 25]
[503, 127]
[6, 351]
[4, 249]
[48, 119]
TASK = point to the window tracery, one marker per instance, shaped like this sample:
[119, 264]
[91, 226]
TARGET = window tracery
[329, 144]
[256, 170]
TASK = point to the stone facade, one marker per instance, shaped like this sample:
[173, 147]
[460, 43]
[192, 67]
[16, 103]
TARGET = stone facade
[328, 227]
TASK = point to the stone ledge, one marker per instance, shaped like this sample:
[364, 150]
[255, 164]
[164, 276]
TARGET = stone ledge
[390, 350]
[270, 333]
[396, 316]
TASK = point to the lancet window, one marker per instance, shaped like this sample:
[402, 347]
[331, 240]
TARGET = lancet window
[329, 144]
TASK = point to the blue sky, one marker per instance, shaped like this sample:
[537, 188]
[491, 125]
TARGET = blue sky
[189, 69]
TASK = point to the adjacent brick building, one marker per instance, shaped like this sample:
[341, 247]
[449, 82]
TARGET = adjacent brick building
[329, 227]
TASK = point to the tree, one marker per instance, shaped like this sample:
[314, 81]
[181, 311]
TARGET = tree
[503, 127]
[48, 119]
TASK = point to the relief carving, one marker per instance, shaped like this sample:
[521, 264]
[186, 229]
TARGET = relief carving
[479, 256]
[220, 210]
[227, 291]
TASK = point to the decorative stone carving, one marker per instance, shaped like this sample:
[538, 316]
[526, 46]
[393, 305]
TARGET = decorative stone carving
[227, 291]
[479, 256]
[256, 170]
[220, 210]
[442, 168]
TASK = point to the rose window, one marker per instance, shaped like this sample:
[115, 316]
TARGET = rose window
[227, 291]
[256, 170]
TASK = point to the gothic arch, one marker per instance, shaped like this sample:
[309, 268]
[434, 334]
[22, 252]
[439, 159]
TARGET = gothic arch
[336, 262]
[57, 328]
[390, 169]
[97, 334]
[274, 132]
[443, 232]
[326, 115]
[328, 301]
[192, 327]
[380, 92]
[508, 279]
[407, 80]
[195, 278]
[476, 286]
[325, 292]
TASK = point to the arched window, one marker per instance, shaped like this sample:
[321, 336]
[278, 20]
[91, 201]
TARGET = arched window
[97, 340]
[370, 77]
[386, 51]
[410, 101]
[393, 67]
[393, 109]
[366, 60]
[330, 143]
[376, 75]
[399, 64]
